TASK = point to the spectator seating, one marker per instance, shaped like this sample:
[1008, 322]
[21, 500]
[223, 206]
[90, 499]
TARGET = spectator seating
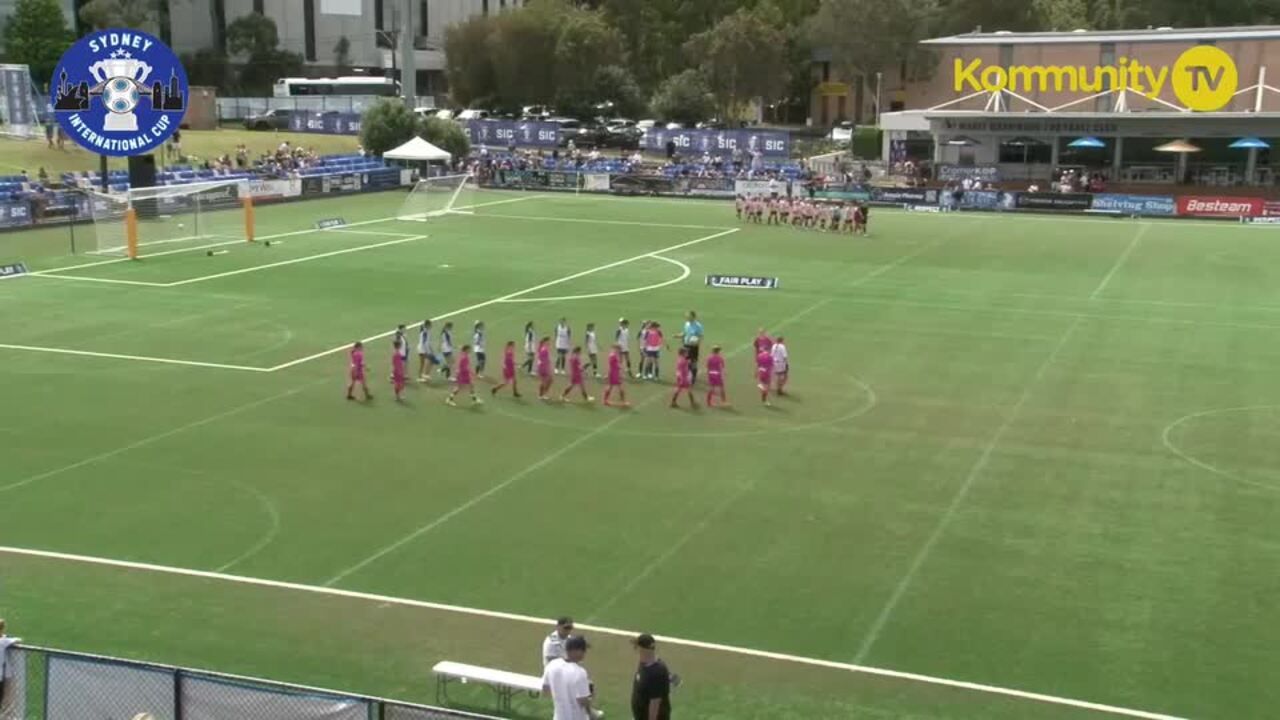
[118, 180]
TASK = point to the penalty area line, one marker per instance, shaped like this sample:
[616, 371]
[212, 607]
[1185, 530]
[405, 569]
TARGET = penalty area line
[139, 358]
[510, 296]
[616, 632]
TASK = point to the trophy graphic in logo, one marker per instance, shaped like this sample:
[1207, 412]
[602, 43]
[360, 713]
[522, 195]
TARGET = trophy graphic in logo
[121, 81]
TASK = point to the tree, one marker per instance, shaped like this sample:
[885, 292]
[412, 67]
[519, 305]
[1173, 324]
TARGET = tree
[342, 55]
[255, 38]
[1062, 15]
[387, 124]
[684, 98]
[36, 35]
[209, 67]
[139, 14]
[523, 48]
[615, 84]
[468, 66]
[446, 135]
[584, 43]
[742, 57]
[866, 36]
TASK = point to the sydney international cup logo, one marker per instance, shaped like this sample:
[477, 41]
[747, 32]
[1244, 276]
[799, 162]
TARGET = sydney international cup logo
[119, 92]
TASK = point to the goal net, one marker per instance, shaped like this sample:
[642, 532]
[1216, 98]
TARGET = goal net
[170, 218]
[20, 103]
[436, 196]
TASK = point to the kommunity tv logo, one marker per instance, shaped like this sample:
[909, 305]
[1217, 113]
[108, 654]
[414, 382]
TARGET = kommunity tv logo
[1203, 78]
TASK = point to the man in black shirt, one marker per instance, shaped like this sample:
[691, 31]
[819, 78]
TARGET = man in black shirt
[651, 691]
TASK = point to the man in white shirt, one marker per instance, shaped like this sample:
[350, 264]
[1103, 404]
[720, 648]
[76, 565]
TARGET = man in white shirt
[553, 646]
[568, 684]
[5, 642]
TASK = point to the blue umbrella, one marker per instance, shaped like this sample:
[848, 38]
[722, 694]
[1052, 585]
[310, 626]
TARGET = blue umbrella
[1087, 142]
[1250, 143]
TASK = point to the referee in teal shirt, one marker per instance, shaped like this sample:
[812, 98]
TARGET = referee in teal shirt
[692, 339]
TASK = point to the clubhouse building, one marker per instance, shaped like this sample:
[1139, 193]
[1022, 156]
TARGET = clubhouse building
[1145, 107]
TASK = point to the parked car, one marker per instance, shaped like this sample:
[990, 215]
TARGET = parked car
[443, 114]
[842, 132]
[536, 112]
[269, 120]
[623, 134]
[646, 124]
[474, 114]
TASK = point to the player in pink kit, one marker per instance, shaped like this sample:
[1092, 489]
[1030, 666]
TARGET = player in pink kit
[684, 380]
[463, 378]
[397, 369]
[715, 378]
[762, 343]
[615, 377]
[543, 368]
[508, 370]
[764, 374]
[575, 376]
[357, 372]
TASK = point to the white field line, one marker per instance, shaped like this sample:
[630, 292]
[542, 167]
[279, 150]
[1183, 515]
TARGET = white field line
[544, 622]
[489, 203]
[292, 233]
[1137, 238]
[108, 281]
[1166, 436]
[153, 438]
[113, 261]
[140, 358]
[685, 271]
[504, 298]
[590, 221]
[295, 261]
[958, 499]
[367, 232]
[149, 243]
[547, 459]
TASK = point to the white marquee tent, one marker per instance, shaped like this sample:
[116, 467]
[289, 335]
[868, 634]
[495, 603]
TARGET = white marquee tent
[418, 149]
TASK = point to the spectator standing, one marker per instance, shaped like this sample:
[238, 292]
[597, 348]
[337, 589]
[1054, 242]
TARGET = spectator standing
[651, 690]
[553, 646]
[5, 642]
[568, 683]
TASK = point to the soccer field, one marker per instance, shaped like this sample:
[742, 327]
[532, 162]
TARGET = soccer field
[1023, 452]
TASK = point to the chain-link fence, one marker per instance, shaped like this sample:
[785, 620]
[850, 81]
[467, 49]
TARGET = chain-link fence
[45, 684]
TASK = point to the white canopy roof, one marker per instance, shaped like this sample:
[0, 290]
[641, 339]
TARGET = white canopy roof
[417, 149]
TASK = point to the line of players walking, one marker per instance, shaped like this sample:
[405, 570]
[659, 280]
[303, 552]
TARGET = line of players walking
[801, 213]
[436, 355]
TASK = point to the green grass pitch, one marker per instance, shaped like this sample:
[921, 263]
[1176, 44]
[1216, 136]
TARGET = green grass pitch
[1023, 451]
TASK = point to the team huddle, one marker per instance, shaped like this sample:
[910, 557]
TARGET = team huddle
[548, 356]
[801, 213]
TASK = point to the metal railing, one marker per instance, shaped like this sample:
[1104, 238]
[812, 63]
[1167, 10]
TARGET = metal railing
[48, 684]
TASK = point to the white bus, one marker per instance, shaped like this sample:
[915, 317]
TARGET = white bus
[357, 85]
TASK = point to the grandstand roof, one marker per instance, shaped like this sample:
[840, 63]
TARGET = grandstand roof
[1166, 34]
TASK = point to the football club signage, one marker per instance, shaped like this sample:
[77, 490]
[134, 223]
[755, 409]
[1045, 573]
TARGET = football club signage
[119, 92]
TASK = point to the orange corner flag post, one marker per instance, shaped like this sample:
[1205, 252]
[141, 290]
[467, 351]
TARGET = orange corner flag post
[131, 232]
[248, 217]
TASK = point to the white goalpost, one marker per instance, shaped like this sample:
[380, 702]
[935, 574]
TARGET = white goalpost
[170, 217]
[436, 196]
